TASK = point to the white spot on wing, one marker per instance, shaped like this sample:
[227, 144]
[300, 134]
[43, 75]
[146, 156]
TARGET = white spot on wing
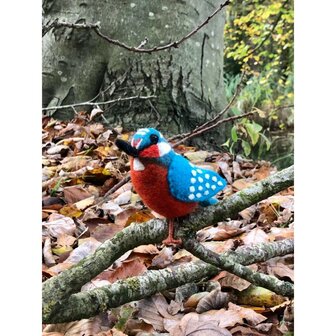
[198, 195]
[191, 196]
[213, 187]
[199, 171]
[193, 180]
[192, 189]
[206, 192]
[214, 178]
[200, 188]
[207, 185]
[220, 183]
[200, 179]
[207, 176]
[137, 165]
[194, 172]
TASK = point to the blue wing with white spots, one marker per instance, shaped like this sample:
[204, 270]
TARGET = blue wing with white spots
[190, 183]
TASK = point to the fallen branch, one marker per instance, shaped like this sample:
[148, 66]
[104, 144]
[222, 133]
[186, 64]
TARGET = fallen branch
[90, 103]
[226, 263]
[87, 304]
[58, 288]
[96, 28]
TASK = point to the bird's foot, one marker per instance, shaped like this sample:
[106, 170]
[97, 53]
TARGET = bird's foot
[171, 241]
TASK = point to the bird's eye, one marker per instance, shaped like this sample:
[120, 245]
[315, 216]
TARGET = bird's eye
[154, 139]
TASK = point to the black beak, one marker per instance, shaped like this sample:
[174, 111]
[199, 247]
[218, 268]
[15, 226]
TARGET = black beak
[127, 148]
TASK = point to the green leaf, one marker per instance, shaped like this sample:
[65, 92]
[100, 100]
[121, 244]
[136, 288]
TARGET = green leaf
[267, 142]
[246, 148]
[253, 130]
[226, 143]
[234, 135]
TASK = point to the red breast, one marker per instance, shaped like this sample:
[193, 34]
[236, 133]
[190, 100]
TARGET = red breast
[152, 186]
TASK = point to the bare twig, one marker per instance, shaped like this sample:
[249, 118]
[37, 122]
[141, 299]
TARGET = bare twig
[203, 130]
[89, 103]
[96, 28]
[198, 130]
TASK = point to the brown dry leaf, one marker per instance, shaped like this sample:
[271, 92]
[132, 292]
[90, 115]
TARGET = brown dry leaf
[103, 232]
[221, 232]
[255, 236]
[244, 331]
[89, 326]
[260, 297]
[233, 315]
[248, 213]
[128, 268]
[147, 249]
[164, 258]
[74, 194]
[153, 310]
[58, 149]
[227, 279]
[225, 169]
[219, 246]
[241, 184]
[193, 324]
[216, 299]
[54, 270]
[281, 233]
[279, 269]
[268, 213]
[96, 176]
[65, 240]
[237, 173]
[59, 224]
[104, 152]
[263, 172]
[285, 201]
[194, 299]
[139, 217]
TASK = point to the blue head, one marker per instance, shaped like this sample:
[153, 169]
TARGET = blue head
[146, 142]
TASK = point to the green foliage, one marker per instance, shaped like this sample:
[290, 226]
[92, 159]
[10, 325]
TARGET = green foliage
[258, 39]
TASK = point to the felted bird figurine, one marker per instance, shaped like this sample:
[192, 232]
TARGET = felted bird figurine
[166, 181]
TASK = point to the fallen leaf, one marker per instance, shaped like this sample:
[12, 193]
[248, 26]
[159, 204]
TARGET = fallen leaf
[279, 269]
[193, 324]
[49, 259]
[86, 202]
[70, 210]
[255, 236]
[128, 268]
[103, 232]
[58, 149]
[225, 169]
[150, 249]
[233, 315]
[139, 217]
[258, 296]
[74, 194]
[216, 299]
[86, 247]
[164, 258]
[241, 184]
[194, 299]
[59, 224]
[263, 172]
[281, 233]
[230, 280]
[123, 198]
[244, 331]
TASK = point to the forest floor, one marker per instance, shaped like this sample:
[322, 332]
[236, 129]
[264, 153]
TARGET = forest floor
[80, 166]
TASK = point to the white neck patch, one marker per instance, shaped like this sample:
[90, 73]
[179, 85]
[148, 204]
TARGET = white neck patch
[164, 148]
[137, 165]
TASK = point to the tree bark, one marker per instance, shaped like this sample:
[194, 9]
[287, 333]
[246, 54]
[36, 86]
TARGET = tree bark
[188, 80]
[59, 288]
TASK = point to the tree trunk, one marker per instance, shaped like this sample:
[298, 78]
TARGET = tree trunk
[188, 80]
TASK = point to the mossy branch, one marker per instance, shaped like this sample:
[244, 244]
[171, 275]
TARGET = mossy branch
[59, 288]
[87, 304]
